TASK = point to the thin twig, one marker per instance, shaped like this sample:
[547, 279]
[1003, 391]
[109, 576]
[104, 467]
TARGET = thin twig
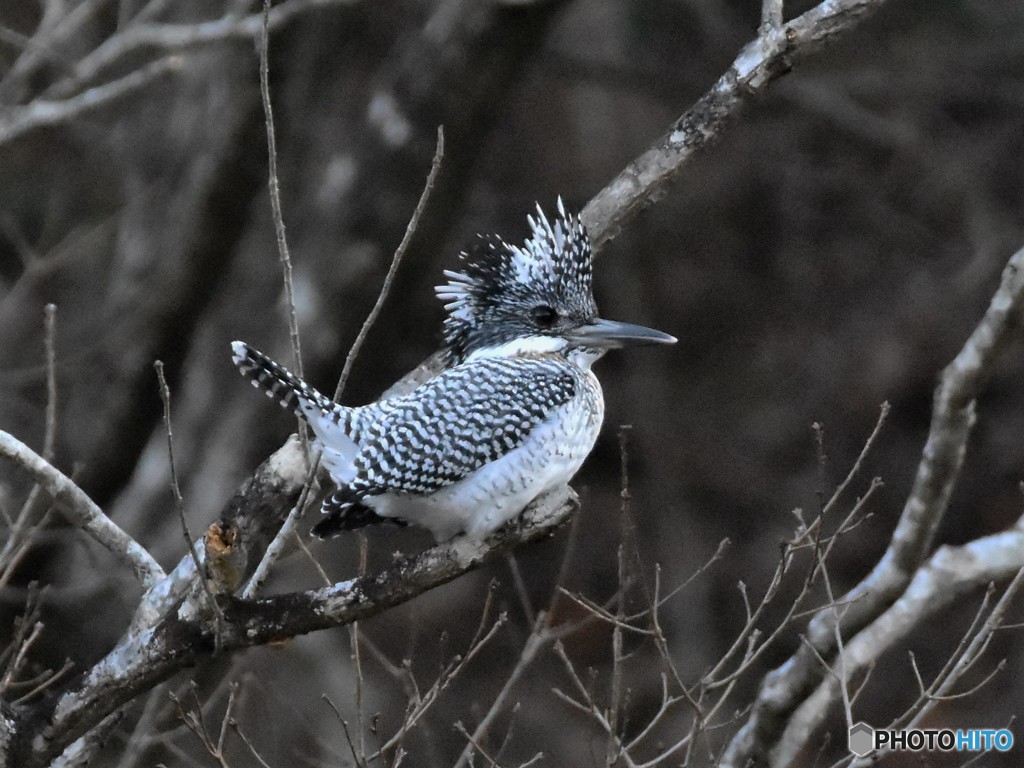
[976, 647]
[520, 586]
[697, 573]
[228, 716]
[301, 543]
[50, 344]
[840, 650]
[396, 260]
[272, 552]
[23, 643]
[39, 113]
[275, 204]
[179, 504]
[943, 674]
[357, 657]
[249, 744]
[344, 726]
[177, 37]
[49, 680]
[537, 641]
[421, 704]
[472, 742]
[14, 548]
[613, 746]
[883, 414]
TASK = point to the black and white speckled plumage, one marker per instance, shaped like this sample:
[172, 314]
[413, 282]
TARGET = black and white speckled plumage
[513, 415]
[469, 416]
[454, 424]
[490, 300]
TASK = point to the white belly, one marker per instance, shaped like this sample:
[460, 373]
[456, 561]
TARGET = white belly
[488, 498]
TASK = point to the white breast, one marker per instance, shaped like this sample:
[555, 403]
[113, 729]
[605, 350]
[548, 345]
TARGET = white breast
[494, 494]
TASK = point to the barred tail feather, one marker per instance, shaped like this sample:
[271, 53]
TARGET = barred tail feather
[279, 384]
[329, 421]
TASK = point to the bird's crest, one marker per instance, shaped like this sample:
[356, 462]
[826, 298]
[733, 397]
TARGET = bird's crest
[491, 299]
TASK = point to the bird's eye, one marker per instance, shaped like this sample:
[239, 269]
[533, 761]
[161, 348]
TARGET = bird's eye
[544, 316]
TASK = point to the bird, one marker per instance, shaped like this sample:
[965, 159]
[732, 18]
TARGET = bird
[512, 415]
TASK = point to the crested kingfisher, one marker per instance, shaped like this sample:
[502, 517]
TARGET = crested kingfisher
[513, 415]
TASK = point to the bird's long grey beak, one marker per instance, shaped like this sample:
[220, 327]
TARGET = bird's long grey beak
[611, 333]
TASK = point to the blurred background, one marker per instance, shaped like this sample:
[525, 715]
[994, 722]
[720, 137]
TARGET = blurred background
[831, 252]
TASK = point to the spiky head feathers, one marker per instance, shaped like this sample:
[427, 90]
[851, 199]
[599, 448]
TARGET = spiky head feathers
[505, 291]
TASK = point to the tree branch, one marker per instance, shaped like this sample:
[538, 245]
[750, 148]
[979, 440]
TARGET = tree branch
[646, 179]
[79, 509]
[40, 113]
[250, 520]
[949, 574]
[178, 641]
[772, 54]
[176, 37]
[953, 415]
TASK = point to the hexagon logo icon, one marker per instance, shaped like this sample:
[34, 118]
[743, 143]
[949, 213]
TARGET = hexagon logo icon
[861, 739]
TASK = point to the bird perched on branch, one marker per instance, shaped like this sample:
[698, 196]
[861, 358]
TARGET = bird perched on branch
[513, 414]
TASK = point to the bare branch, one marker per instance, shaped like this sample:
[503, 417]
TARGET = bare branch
[179, 502]
[82, 511]
[144, 659]
[646, 179]
[40, 113]
[275, 199]
[178, 37]
[948, 575]
[396, 260]
[785, 688]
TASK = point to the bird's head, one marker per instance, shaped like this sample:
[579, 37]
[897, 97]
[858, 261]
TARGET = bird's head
[538, 297]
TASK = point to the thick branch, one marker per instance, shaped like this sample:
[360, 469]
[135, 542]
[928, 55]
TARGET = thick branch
[143, 660]
[953, 415]
[79, 509]
[252, 516]
[255, 622]
[646, 179]
[949, 574]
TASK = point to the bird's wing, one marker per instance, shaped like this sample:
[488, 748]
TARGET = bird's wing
[468, 416]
